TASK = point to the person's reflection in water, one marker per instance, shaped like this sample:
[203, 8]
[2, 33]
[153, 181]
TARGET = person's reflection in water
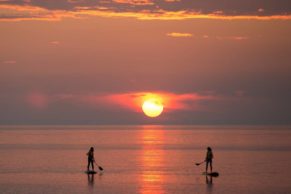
[209, 180]
[91, 180]
[209, 183]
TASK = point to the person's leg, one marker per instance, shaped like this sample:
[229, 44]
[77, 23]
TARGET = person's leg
[88, 165]
[210, 163]
[92, 165]
[206, 166]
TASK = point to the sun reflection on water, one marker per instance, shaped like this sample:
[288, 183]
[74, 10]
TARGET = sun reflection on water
[152, 160]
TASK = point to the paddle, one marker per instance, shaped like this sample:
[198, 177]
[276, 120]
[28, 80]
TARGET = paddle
[100, 168]
[200, 163]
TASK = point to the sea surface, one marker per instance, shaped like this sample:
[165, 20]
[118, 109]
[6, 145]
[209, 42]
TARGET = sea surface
[145, 159]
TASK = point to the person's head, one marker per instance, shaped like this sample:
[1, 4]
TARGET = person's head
[91, 149]
[209, 149]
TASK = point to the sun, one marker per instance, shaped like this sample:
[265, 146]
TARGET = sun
[152, 107]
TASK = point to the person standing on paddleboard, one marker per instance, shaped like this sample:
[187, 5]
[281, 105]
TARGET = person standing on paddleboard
[208, 159]
[91, 158]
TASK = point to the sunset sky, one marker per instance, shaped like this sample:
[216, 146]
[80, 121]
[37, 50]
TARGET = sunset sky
[96, 61]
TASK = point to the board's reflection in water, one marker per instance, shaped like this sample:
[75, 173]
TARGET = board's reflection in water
[91, 179]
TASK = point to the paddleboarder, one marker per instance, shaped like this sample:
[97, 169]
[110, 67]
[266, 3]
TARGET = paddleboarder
[208, 159]
[91, 159]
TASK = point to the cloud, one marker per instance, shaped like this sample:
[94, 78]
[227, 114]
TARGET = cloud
[178, 15]
[37, 100]
[172, 1]
[178, 34]
[228, 7]
[11, 12]
[55, 42]
[261, 10]
[27, 12]
[129, 101]
[133, 101]
[236, 38]
[75, 1]
[9, 62]
[135, 2]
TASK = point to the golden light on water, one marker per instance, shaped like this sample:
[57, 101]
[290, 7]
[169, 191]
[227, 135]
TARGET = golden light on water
[152, 159]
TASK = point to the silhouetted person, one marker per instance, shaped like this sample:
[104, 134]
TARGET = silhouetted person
[91, 159]
[208, 159]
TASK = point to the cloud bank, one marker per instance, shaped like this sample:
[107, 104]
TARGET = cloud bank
[16, 10]
[130, 101]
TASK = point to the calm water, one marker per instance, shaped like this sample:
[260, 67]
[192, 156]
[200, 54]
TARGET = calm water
[145, 159]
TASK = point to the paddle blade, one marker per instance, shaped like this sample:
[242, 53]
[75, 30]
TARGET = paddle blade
[214, 174]
[100, 168]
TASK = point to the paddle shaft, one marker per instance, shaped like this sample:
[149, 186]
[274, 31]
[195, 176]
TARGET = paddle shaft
[100, 168]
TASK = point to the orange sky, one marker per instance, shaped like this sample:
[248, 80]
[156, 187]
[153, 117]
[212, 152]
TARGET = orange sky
[85, 62]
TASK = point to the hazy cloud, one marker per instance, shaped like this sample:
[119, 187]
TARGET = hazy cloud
[172, 1]
[9, 62]
[179, 34]
[131, 101]
[236, 38]
[37, 100]
[75, 1]
[171, 101]
[55, 42]
[261, 10]
[135, 2]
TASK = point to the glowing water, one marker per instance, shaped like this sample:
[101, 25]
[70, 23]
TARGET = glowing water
[145, 159]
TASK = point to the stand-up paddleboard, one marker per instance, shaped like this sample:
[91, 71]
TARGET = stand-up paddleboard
[90, 172]
[214, 174]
